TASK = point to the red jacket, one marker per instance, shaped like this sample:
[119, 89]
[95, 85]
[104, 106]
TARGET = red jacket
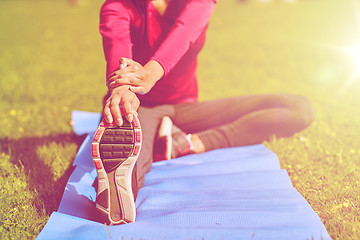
[134, 29]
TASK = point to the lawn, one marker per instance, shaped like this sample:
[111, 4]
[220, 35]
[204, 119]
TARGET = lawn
[51, 63]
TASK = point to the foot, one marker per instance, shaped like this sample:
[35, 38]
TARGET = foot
[181, 145]
[115, 150]
[171, 142]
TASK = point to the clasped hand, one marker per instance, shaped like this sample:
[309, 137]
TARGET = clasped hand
[133, 74]
[130, 78]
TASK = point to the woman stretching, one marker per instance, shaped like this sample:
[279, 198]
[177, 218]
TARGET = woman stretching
[151, 49]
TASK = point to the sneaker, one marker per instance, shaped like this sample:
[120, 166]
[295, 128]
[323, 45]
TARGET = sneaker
[181, 145]
[115, 151]
[171, 141]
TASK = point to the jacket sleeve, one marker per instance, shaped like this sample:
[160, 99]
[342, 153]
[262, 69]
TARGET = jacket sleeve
[187, 28]
[115, 31]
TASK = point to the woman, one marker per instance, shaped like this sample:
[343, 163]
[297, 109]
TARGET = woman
[151, 49]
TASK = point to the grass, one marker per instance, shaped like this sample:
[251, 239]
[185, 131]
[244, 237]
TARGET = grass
[51, 63]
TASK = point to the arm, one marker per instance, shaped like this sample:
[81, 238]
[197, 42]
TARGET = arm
[187, 28]
[115, 30]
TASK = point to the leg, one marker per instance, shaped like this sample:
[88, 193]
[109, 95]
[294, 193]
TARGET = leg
[150, 118]
[119, 164]
[244, 120]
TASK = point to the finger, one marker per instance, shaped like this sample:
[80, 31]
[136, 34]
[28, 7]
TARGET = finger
[116, 81]
[132, 81]
[138, 89]
[113, 74]
[115, 110]
[128, 110]
[131, 71]
[119, 75]
[123, 73]
[106, 113]
[114, 85]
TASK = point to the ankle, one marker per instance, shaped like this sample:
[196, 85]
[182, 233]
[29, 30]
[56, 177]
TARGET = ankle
[197, 144]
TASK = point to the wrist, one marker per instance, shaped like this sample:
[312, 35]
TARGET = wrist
[119, 88]
[155, 71]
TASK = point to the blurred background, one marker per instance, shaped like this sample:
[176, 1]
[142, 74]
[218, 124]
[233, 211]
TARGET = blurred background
[51, 63]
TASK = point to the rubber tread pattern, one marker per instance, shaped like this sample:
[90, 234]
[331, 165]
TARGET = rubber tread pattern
[102, 199]
[115, 151]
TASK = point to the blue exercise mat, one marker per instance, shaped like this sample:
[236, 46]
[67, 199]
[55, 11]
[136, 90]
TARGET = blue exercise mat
[233, 193]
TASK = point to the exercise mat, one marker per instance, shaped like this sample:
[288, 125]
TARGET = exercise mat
[232, 193]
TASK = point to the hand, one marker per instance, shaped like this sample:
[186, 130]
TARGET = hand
[141, 79]
[120, 96]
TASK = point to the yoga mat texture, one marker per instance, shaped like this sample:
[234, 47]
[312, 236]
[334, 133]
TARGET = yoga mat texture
[233, 193]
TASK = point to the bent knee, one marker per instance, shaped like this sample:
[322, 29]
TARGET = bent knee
[303, 108]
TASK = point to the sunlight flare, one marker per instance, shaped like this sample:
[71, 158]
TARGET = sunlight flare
[354, 54]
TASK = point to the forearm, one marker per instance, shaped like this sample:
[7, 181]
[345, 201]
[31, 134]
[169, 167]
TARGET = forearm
[188, 26]
[114, 27]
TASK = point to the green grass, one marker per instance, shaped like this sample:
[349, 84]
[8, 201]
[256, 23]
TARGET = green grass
[51, 63]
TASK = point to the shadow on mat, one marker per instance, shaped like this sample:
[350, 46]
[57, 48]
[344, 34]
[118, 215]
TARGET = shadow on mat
[47, 163]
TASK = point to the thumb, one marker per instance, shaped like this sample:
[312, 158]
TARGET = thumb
[125, 62]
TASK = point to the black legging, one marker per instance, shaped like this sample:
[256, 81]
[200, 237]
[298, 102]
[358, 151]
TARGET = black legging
[230, 122]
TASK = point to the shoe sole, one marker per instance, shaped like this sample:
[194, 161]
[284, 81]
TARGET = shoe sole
[115, 150]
